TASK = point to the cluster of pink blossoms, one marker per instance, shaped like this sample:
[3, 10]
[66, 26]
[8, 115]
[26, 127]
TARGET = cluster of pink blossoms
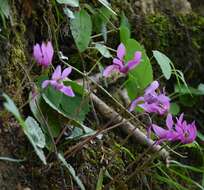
[153, 101]
[179, 131]
[119, 63]
[43, 54]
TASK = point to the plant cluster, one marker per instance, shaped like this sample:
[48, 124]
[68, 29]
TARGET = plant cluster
[58, 101]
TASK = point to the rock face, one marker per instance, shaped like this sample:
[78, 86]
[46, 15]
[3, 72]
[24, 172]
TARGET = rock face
[147, 7]
[197, 6]
[154, 6]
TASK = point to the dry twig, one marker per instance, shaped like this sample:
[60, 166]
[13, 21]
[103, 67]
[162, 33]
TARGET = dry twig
[125, 125]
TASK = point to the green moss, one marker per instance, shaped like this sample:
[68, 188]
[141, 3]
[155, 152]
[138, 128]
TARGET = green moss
[178, 36]
[13, 60]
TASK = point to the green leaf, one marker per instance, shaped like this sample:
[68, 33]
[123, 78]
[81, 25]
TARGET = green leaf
[71, 171]
[30, 128]
[126, 150]
[72, 3]
[178, 164]
[200, 136]
[36, 137]
[103, 50]
[187, 96]
[174, 109]
[201, 88]
[187, 179]
[81, 28]
[124, 21]
[107, 5]
[181, 89]
[11, 107]
[99, 185]
[81, 132]
[140, 77]
[69, 13]
[71, 107]
[41, 111]
[124, 34]
[179, 74]
[35, 132]
[193, 145]
[164, 63]
[170, 182]
[4, 8]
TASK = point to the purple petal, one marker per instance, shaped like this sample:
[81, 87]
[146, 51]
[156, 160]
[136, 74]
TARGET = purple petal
[172, 135]
[160, 132]
[110, 69]
[179, 128]
[67, 90]
[37, 53]
[47, 51]
[66, 72]
[57, 73]
[150, 108]
[133, 63]
[192, 132]
[50, 51]
[163, 98]
[121, 51]
[135, 102]
[118, 62]
[180, 120]
[45, 83]
[152, 87]
[56, 84]
[169, 121]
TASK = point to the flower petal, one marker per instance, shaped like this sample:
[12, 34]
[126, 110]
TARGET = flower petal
[56, 84]
[50, 51]
[118, 62]
[152, 87]
[37, 53]
[67, 90]
[121, 51]
[180, 120]
[66, 72]
[133, 63]
[45, 83]
[57, 73]
[135, 102]
[192, 132]
[47, 52]
[110, 69]
[169, 122]
[159, 131]
[150, 108]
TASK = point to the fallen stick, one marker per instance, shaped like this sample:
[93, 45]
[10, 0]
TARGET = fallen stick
[127, 127]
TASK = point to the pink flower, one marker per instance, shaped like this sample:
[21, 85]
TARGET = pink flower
[152, 102]
[57, 81]
[43, 54]
[179, 131]
[119, 64]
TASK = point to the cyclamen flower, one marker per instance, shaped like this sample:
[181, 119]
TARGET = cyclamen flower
[57, 81]
[179, 131]
[119, 63]
[152, 102]
[43, 54]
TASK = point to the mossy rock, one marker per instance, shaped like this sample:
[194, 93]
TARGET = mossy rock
[180, 37]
